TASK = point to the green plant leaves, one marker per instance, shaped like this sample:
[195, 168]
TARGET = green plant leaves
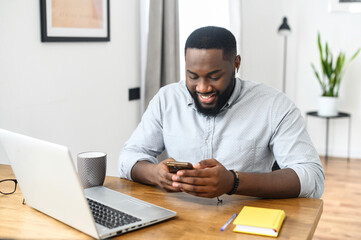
[355, 55]
[331, 72]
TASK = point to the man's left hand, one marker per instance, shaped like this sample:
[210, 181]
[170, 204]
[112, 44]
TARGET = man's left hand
[209, 178]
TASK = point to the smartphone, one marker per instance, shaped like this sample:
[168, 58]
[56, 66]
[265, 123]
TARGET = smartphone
[176, 166]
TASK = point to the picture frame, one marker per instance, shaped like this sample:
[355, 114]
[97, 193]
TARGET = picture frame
[350, 6]
[75, 21]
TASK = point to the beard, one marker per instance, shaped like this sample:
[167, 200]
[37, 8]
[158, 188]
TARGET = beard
[221, 101]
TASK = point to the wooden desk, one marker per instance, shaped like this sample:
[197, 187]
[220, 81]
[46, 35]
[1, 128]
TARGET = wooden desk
[196, 217]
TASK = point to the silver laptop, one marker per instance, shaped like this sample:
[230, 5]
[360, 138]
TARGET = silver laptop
[50, 184]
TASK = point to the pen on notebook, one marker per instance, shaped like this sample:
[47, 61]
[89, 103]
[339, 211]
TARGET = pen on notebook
[228, 222]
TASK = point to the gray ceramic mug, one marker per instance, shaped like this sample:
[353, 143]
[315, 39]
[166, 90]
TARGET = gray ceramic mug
[92, 168]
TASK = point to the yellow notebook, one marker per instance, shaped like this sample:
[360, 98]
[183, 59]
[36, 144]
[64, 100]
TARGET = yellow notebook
[262, 221]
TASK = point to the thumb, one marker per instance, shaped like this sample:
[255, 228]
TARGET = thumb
[207, 163]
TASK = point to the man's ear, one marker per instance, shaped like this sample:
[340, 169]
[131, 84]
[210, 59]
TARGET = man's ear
[237, 62]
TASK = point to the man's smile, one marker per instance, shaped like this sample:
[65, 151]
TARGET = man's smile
[206, 98]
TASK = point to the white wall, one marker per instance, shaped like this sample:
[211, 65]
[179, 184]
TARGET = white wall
[74, 94]
[262, 59]
[262, 48]
[213, 13]
[342, 31]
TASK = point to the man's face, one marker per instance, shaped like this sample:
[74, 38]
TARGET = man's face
[209, 78]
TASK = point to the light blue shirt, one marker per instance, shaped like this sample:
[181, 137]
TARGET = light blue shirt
[257, 126]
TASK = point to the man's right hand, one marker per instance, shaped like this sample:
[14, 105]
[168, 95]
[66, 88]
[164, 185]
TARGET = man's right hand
[163, 177]
[154, 174]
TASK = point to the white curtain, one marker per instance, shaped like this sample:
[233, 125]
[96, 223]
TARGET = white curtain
[161, 61]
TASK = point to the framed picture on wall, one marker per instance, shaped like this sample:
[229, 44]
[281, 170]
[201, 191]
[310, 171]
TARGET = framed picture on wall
[74, 21]
[351, 6]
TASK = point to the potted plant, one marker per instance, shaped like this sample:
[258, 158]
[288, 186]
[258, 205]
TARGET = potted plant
[330, 79]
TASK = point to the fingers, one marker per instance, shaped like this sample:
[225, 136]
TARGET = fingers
[193, 173]
[199, 177]
[209, 179]
[165, 177]
[200, 191]
[205, 180]
[204, 168]
[207, 163]
[170, 188]
[198, 182]
[167, 184]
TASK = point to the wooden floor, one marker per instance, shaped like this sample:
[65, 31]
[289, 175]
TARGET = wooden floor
[341, 217]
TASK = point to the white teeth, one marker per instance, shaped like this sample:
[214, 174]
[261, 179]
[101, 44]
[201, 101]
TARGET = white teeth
[205, 97]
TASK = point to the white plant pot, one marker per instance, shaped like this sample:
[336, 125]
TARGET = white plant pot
[327, 106]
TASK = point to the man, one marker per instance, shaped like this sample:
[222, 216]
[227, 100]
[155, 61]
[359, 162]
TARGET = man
[231, 130]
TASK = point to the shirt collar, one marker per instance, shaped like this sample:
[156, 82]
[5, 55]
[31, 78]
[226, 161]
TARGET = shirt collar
[235, 94]
[190, 100]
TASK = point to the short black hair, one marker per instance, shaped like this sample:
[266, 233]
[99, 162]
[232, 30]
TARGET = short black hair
[211, 37]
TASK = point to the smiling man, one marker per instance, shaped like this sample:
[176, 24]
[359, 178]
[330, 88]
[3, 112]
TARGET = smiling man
[231, 130]
[210, 90]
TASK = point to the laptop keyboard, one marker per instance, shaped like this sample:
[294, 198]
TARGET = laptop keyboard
[109, 217]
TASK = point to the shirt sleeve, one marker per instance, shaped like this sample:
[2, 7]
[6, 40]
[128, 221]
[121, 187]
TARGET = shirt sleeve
[292, 147]
[146, 142]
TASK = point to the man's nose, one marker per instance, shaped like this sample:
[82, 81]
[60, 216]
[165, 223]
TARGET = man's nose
[203, 86]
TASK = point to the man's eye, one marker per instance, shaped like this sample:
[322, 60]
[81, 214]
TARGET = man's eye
[192, 76]
[214, 77]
